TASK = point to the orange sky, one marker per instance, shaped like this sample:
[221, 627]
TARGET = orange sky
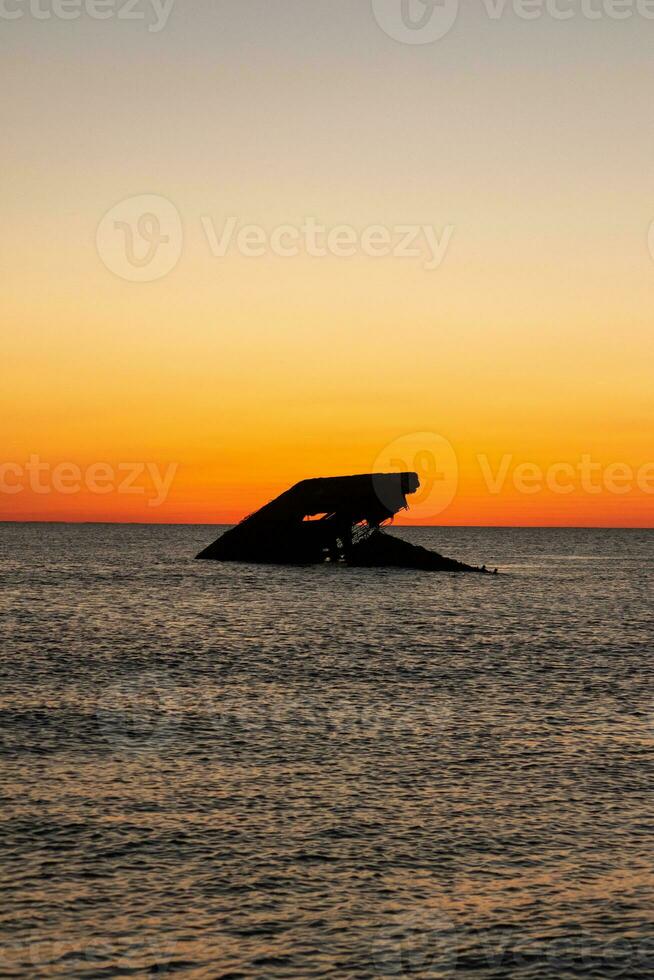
[532, 341]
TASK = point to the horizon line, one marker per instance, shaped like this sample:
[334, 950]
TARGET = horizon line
[508, 527]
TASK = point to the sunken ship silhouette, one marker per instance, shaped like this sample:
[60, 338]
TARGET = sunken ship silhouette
[337, 519]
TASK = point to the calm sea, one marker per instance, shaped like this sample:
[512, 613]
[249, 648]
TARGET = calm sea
[234, 771]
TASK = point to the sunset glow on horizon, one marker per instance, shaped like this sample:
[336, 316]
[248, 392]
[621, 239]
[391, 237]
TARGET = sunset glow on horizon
[265, 356]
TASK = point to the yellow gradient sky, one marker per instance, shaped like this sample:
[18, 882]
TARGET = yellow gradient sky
[532, 342]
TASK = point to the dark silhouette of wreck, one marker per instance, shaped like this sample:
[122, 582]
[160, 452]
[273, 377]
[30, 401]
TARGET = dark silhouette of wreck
[332, 519]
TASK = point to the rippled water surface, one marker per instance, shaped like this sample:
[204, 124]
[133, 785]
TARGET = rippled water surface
[218, 770]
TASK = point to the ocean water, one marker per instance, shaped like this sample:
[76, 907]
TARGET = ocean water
[218, 770]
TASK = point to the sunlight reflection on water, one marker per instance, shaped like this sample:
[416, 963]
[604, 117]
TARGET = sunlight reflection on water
[217, 768]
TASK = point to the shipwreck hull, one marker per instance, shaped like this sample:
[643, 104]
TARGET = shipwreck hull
[386, 551]
[332, 519]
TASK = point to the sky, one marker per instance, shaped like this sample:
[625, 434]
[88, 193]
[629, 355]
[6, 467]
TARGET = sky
[180, 343]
